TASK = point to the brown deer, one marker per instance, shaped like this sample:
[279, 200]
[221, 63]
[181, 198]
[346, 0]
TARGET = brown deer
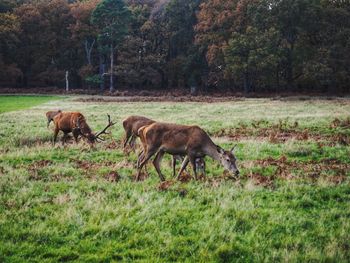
[75, 122]
[132, 124]
[192, 141]
[50, 115]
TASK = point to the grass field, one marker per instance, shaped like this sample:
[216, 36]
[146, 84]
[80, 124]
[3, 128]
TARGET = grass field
[12, 103]
[73, 203]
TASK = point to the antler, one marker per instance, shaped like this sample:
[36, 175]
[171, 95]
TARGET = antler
[110, 123]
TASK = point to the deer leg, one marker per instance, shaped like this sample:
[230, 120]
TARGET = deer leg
[64, 138]
[147, 156]
[140, 158]
[76, 135]
[173, 164]
[55, 136]
[203, 167]
[127, 137]
[193, 163]
[200, 166]
[156, 163]
[132, 142]
[183, 166]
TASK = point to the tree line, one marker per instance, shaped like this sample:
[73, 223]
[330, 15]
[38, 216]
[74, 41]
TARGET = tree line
[241, 45]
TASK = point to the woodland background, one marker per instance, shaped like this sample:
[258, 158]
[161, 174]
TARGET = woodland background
[237, 45]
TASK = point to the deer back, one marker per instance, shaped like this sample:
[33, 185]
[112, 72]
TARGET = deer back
[134, 123]
[174, 138]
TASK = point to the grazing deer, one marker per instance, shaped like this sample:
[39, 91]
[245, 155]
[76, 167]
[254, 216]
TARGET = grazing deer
[192, 141]
[75, 122]
[132, 124]
[50, 115]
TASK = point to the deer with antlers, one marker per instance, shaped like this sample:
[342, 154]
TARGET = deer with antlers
[132, 124]
[75, 123]
[191, 141]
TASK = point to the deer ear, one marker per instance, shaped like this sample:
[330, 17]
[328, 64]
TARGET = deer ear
[233, 148]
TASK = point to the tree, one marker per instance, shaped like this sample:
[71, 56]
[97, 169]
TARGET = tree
[9, 32]
[112, 18]
[84, 37]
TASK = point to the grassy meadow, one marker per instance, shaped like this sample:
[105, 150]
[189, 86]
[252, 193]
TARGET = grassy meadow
[81, 204]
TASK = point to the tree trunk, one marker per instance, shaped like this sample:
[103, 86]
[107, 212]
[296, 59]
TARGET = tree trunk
[67, 81]
[88, 50]
[246, 83]
[289, 69]
[111, 87]
[102, 72]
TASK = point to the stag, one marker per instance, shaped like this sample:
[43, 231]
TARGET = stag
[75, 123]
[191, 141]
[50, 115]
[132, 124]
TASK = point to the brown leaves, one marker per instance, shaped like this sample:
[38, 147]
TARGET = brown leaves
[143, 176]
[163, 186]
[112, 177]
[331, 170]
[262, 180]
[283, 131]
[185, 177]
[340, 123]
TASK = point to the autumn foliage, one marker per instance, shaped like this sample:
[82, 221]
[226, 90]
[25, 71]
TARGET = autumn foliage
[242, 45]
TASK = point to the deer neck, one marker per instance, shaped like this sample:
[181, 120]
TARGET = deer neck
[212, 151]
[85, 129]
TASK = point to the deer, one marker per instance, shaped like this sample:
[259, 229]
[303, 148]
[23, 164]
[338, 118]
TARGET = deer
[190, 141]
[132, 124]
[50, 115]
[75, 123]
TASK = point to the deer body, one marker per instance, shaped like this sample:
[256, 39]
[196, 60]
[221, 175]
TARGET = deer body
[50, 115]
[72, 122]
[191, 141]
[75, 122]
[132, 124]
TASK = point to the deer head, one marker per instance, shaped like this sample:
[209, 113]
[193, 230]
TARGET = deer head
[228, 159]
[86, 132]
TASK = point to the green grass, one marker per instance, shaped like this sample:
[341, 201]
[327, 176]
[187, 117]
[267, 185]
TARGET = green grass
[14, 102]
[58, 204]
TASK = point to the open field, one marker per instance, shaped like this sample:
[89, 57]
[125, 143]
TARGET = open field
[73, 203]
[11, 103]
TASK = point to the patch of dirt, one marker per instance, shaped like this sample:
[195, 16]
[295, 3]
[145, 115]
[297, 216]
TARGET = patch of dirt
[112, 177]
[143, 176]
[280, 132]
[340, 123]
[39, 164]
[185, 177]
[312, 170]
[163, 186]
[113, 145]
[262, 180]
